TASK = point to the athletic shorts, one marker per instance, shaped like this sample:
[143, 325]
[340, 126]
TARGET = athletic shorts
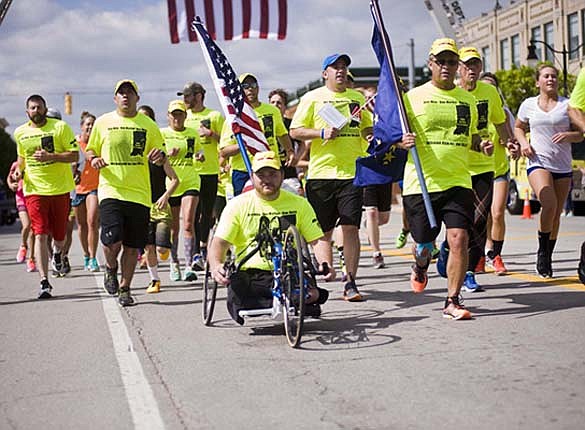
[503, 178]
[453, 207]
[249, 289]
[20, 200]
[79, 199]
[555, 175]
[176, 201]
[159, 234]
[124, 221]
[378, 196]
[49, 214]
[333, 200]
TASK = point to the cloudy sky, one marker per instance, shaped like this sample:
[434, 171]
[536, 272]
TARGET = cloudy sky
[84, 46]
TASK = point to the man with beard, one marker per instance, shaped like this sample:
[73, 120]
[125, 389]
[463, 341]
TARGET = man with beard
[46, 148]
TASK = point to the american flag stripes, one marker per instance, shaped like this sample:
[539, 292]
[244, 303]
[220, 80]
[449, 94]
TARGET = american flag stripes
[228, 19]
[231, 95]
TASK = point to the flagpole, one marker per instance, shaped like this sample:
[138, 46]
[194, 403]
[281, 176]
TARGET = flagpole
[413, 152]
[244, 153]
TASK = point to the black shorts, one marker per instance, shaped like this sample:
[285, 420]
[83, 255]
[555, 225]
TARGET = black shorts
[159, 234]
[378, 196]
[249, 289]
[176, 201]
[333, 200]
[124, 221]
[454, 207]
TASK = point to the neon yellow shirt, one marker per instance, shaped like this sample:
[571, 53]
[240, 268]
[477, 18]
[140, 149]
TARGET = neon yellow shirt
[240, 219]
[334, 159]
[212, 120]
[270, 120]
[124, 144]
[577, 99]
[444, 122]
[187, 141]
[490, 110]
[49, 178]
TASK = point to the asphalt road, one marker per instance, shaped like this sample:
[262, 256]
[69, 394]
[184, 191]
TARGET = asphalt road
[390, 362]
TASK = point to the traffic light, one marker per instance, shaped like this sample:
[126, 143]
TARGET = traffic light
[68, 106]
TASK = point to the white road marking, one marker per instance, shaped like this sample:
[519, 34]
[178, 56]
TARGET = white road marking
[143, 405]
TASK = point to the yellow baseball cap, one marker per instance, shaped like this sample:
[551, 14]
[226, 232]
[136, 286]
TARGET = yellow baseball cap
[468, 53]
[177, 105]
[126, 81]
[265, 159]
[243, 77]
[442, 45]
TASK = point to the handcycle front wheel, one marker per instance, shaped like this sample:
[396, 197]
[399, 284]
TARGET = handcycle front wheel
[209, 295]
[293, 286]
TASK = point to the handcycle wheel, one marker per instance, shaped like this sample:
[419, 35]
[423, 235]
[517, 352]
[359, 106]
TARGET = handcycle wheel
[209, 295]
[293, 286]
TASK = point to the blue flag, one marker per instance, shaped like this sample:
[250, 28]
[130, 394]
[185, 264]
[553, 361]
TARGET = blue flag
[386, 162]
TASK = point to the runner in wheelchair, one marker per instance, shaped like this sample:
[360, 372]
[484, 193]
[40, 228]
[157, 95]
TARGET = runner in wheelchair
[251, 286]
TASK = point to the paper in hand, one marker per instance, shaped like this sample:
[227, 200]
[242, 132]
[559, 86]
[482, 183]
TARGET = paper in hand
[332, 116]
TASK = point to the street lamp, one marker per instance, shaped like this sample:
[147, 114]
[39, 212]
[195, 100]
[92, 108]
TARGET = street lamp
[532, 58]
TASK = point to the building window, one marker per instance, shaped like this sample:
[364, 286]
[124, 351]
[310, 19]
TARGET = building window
[515, 42]
[549, 37]
[505, 54]
[573, 35]
[487, 59]
[536, 34]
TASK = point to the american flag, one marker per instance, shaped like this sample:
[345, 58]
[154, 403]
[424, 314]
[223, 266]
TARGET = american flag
[231, 95]
[228, 19]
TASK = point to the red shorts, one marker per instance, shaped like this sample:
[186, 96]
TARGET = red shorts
[49, 214]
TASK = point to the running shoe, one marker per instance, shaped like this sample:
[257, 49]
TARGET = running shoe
[351, 293]
[45, 291]
[125, 298]
[454, 310]
[313, 310]
[93, 265]
[442, 259]
[581, 267]
[480, 266]
[111, 284]
[198, 265]
[378, 261]
[21, 254]
[175, 274]
[542, 265]
[189, 276]
[418, 279]
[401, 239]
[31, 266]
[153, 287]
[470, 285]
[497, 264]
[66, 266]
[57, 263]
[86, 262]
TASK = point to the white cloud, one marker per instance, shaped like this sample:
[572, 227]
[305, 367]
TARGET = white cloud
[78, 47]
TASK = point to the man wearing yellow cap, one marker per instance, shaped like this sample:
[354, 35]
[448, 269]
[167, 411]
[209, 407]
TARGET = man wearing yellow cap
[272, 125]
[443, 118]
[185, 154]
[251, 287]
[490, 109]
[121, 144]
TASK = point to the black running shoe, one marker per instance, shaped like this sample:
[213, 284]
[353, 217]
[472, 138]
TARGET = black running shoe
[66, 266]
[57, 263]
[45, 292]
[125, 298]
[111, 284]
[313, 310]
[542, 266]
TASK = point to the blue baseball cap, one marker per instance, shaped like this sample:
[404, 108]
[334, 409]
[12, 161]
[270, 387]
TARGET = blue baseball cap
[329, 60]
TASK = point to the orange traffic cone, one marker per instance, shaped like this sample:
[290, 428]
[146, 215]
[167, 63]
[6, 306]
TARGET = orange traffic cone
[526, 211]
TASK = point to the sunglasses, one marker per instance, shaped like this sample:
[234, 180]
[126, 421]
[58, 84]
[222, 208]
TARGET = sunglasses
[441, 62]
[253, 85]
